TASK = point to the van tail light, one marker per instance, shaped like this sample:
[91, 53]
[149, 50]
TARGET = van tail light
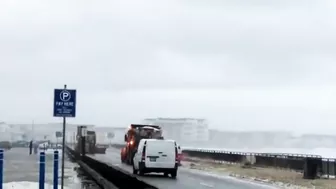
[143, 157]
[176, 155]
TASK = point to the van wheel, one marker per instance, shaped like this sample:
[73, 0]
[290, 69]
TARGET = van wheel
[174, 174]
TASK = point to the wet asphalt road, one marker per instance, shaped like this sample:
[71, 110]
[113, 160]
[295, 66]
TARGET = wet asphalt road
[185, 179]
[20, 166]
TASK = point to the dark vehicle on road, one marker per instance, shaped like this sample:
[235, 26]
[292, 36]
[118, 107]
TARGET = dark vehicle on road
[20, 144]
[5, 145]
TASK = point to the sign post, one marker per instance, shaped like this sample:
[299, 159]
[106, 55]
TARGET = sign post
[64, 106]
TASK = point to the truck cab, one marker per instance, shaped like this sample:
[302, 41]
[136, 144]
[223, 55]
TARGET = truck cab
[133, 135]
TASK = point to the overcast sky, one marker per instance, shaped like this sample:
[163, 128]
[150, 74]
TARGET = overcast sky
[243, 64]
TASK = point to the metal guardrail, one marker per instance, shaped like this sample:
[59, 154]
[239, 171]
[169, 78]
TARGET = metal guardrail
[278, 160]
[329, 167]
[286, 161]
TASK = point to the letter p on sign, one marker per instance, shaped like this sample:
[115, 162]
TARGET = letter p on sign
[65, 96]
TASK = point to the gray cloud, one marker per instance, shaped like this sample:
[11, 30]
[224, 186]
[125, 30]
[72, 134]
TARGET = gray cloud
[108, 49]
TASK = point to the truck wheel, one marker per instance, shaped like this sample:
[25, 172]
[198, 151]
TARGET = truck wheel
[134, 170]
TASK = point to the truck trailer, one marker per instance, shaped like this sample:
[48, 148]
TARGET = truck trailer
[90, 145]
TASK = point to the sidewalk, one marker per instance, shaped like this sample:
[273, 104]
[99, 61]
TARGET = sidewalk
[20, 166]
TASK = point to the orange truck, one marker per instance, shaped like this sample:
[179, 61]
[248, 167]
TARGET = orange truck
[134, 134]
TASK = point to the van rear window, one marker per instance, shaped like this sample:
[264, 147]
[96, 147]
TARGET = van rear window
[161, 144]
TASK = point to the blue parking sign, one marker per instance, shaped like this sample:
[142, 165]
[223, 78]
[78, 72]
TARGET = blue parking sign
[64, 103]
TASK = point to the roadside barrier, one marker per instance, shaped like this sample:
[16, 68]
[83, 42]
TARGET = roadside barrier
[107, 176]
[310, 165]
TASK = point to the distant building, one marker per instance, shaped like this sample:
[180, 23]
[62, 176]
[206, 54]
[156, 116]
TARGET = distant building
[182, 129]
[103, 134]
[119, 133]
[5, 132]
[43, 131]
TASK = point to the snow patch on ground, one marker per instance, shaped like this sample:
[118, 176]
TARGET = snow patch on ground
[263, 183]
[228, 176]
[27, 185]
[266, 181]
[51, 151]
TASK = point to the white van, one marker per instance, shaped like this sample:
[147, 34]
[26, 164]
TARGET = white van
[156, 155]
